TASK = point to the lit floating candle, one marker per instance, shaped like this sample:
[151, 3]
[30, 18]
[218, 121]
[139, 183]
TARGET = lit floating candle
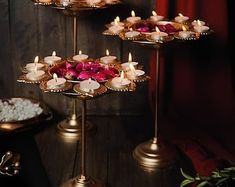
[155, 17]
[116, 29]
[35, 74]
[56, 82]
[132, 34]
[201, 28]
[92, 2]
[198, 22]
[120, 82]
[181, 18]
[32, 66]
[184, 33]
[126, 65]
[108, 59]
[52, 59]
[117, 21]
[158, 35]
[89, 85]
[80, 57]
[45, 1]
[133, 18]
[134, 73]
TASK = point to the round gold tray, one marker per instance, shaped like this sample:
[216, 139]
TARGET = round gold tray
[22, 125]
[142, 78]
[131, 87]
[24, 79]
[101, 90]
[67, 86]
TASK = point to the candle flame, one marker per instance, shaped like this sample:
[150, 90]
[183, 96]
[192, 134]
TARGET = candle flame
[89, 81]
[131, 29]
[118, 19]
[107, 52]
[133, 13]
[157, 29]
[181, 15]
[54, 53]
[184, 28]
[79, 52]
[199, 22]
[36, 59]
[122, 74]
[55, 77]
[154, 13]
[129, 57]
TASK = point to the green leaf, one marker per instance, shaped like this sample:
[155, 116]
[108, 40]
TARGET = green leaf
[186, 175]
[221, 181]
[186, 182]
[202, 184]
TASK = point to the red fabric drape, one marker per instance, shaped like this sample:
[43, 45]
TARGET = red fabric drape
[191, 83]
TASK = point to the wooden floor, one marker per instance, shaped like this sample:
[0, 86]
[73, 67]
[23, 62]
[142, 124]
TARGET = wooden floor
[109, 154]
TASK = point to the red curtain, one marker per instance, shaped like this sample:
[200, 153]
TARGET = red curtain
[201, 87]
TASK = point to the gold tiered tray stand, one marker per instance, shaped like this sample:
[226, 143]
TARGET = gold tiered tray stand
[83, 180]
[71, 127]
[155, 154]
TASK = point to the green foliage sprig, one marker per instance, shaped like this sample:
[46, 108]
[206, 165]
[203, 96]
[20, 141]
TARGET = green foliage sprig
[220, 178]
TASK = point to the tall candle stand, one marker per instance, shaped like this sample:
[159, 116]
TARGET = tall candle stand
[155, 154]
[82, 180]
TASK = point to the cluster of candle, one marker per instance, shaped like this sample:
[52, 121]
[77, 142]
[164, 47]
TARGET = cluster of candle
[158, 29]
[34, 70]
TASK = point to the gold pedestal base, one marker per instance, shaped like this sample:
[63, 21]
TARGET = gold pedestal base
[71, 128]
[82, 181]
[152, 155]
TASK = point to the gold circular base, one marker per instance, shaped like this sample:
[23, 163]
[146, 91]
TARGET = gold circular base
[82, 181]
[71, 128]
[152, 155]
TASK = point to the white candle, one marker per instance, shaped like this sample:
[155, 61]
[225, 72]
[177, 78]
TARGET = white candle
[35, 75]
[80, 57]
[35, 65]
[108, 58]
[120, 82]
[185, 34]
[116, 29]
[132, 34]
[155, 17]
[52, 59]
[201, 28]
[181, 18]
[116, 21]
[198, 22]
[158, 35]
[56, 82]
[45, 1]
[133, 18]
[126, 65]
[134, 73]
[93, 2]
[89, 85]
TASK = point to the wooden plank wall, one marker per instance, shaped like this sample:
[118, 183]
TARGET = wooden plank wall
[28, 30]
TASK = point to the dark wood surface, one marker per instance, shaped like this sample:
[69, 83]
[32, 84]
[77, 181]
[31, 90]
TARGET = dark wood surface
[109, 154]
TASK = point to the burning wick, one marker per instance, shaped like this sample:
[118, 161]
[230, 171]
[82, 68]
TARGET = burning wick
[133, 13]
[154, 13]
[79, 52]
[55, 77]
[107, 52]
[129, 57]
